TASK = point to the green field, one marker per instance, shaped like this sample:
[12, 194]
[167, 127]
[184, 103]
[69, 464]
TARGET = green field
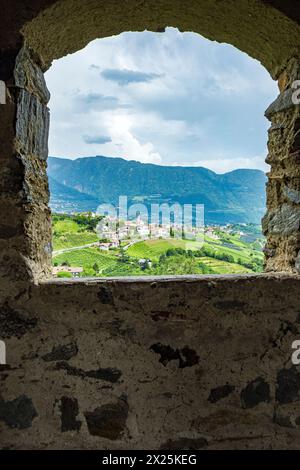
[108, 264]
[222, 267]
[153, 249]
[229, 254]
[68, 233]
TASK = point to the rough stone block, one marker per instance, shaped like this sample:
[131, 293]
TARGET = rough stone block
[108, 421]
[283, 221]
[282, 103]
[69, 411]
[18, 413]
[32, 126]
[28, 75]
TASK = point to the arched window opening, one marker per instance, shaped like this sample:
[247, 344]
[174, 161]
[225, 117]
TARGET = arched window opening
[157, 149]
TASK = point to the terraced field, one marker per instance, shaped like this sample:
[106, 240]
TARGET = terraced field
[153, 249]
[221, 267]
[229, 254]
[67, 234]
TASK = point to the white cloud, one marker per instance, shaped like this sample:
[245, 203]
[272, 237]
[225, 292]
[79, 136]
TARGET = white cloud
[119, 127]
[204, 106]
[224, 165]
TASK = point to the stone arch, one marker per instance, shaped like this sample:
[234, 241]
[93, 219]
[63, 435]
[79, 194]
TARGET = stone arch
[253, 27]
[51, 29]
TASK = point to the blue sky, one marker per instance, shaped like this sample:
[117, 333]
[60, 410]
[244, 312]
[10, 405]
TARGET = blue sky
[168, 98]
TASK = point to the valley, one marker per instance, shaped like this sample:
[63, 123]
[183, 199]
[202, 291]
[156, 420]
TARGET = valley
[78, 251]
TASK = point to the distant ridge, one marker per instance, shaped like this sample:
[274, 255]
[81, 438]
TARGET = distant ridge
[82, 184]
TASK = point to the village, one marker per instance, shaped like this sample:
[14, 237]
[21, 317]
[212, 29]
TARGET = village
[115, 236]
[112, 232]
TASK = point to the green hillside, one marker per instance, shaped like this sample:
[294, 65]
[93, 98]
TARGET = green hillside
[227, 254]
[82, 184]
[68, 232]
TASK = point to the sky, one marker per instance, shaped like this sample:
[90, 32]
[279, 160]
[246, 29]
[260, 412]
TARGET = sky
[166, 98]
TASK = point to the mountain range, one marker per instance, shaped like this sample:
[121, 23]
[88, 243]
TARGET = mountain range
[81, 185]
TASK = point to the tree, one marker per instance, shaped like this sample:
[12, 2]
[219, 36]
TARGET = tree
[66, 263]
[96, 268]
[124, 258]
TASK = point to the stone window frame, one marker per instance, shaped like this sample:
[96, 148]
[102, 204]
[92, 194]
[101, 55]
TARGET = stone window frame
[257, 28]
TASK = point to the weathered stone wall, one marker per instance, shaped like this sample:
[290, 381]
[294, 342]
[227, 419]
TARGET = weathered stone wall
[282, 221]
[64, 27]
[199, 364]
[253, 26]
[25, 228]
[186, 363]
